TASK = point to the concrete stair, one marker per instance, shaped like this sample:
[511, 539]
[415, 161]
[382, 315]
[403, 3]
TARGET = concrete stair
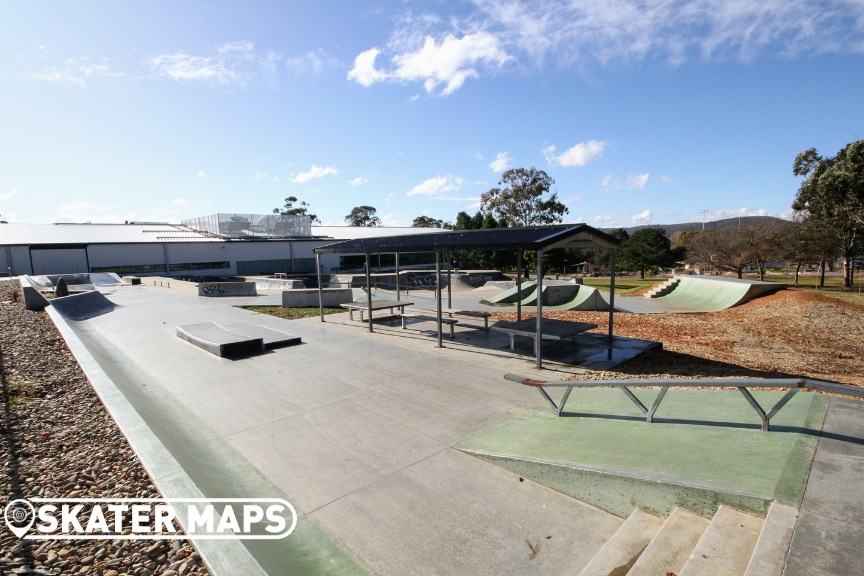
[732, 543]
[663, 289]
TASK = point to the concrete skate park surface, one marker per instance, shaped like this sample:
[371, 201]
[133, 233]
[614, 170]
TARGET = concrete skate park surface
[362, 434]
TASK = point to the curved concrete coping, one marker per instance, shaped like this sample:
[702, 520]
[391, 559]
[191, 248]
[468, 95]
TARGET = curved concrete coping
[222, 557]
[83, 305]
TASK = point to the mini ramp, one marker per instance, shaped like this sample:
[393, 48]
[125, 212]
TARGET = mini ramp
[82, 305]
[556, 296]
[710, 294]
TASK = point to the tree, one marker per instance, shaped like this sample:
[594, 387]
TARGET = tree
[524, 199]
[301, 209]
[646, 248]
[833, 191]
[427, 222]
[723, 248]
[363, 216]
[810, 240]
[463, 221]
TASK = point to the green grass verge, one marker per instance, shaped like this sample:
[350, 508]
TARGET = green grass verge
[290, 313]
[623, 285]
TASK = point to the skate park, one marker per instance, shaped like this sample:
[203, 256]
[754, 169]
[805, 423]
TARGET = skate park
[396, 453]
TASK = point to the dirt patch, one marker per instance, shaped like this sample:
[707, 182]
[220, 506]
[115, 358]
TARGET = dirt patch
[790, 333]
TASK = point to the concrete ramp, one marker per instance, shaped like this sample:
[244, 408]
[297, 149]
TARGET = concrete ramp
[83, 305]
[713, 293]
[586, 298]
[511, 295]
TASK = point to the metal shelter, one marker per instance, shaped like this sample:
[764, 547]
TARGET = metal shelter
[539, 239]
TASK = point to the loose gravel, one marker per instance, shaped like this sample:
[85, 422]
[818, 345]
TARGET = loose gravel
[792, 333]
[57, 440]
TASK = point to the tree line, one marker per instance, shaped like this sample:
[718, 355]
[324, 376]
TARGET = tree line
[828, 224]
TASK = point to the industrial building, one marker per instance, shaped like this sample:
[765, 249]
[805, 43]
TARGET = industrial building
[221, 244]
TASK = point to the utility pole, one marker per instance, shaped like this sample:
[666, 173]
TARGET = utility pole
[704, 212]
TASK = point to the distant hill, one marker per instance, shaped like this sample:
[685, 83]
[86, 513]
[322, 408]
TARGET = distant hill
[673, 231]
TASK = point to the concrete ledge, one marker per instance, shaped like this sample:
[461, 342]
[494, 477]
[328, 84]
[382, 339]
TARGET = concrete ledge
[619, 494]
[308, 297]
[227, 289]
[33, 299]
[217, 340]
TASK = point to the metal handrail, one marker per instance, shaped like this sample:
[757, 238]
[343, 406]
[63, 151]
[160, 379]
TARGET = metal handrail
[741, 384]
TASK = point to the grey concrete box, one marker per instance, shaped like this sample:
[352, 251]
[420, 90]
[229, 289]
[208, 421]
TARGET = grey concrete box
[227, 289]
[308, 297]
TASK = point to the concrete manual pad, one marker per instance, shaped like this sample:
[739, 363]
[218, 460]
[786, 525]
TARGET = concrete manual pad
[272, 338]
[217, 340]
[453, 514]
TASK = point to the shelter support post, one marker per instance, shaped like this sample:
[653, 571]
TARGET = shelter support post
[519, 285]
[449, 285]
[398, 293]
[612, 261]
[369, 289]
[438, 296]
[320, 287]
[538, 340]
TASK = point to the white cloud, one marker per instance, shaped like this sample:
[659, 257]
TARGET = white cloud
[642, 218]
[180, 202]
[201, 174]
[571, 200]
[580, 33]
[579, 155]
[501, 162]
[604, 219]
[442, 66]
[74, 71]
[79, 211]
[739, 213]
[438, 186]
[359, 181]
[315, 172]
[632, 182]
[310, 63]
[234, 63]
[8, 195]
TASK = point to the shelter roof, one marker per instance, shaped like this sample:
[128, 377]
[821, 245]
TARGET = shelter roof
[526, 238]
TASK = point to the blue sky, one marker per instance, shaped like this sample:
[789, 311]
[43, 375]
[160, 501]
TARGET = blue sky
[644, 112]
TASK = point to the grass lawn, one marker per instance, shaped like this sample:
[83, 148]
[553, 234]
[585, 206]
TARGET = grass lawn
[290, 313]
[624, 285]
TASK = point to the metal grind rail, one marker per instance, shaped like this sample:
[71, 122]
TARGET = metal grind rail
[794, 385]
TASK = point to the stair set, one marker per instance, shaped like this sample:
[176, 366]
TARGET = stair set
[663, 289]
[732, 543]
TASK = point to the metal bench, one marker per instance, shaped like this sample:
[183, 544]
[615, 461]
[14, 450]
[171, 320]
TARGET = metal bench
[363, 307]
[550, 329]
[424, 315]
[452, 312]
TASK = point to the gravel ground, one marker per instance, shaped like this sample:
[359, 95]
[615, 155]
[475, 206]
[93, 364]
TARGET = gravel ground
[57, 440]
[792, 333]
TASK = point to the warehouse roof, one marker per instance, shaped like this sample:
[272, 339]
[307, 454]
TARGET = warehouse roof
[36, 234]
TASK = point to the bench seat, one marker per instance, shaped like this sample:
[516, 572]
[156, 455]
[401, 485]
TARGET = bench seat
[424, 315]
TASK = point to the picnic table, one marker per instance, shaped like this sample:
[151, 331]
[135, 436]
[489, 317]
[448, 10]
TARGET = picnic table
[364, 307]
[550, 329]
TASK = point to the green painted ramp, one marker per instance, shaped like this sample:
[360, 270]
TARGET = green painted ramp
[705, 448]
[710, 293]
